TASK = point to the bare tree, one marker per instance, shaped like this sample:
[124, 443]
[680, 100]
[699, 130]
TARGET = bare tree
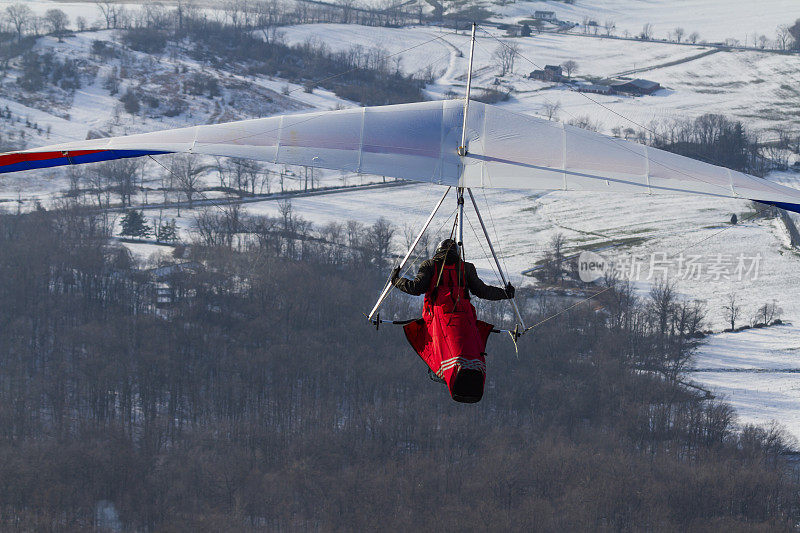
[235, 12]
[217, 225]
[662, 304]
[678, 33]
[767, 313]
[186, 9]
[20, 16]
[409, 234]
[569, 67]
[98, 183]
[504, 55]
[694, 37]
[732, 310]
[554, 257]
[242, 174]
[586, 122]
[782, 37]
[188, 172]
[113, 13]
[57, 21]
[378, 241]
[36, 25]
[75, 175]
[120, 175]
[551, 109]
[610, 26]
[647, 32]
[762, 41]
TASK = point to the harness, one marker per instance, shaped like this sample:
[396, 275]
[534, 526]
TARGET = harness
[449, 286]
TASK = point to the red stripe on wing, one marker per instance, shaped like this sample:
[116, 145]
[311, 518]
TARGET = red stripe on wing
[21, 157]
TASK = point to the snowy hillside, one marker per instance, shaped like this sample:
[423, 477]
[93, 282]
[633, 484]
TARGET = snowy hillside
[759, 88]
[757, 371]
[714, 20]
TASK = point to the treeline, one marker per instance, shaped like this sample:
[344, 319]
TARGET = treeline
[368, 76]
[243, 32]
[712, 138]
[263, 400]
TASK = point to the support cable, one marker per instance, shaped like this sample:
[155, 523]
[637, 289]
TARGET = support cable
[595, 295]
[389, 286]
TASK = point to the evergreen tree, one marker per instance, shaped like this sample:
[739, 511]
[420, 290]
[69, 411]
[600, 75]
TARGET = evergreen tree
[526, 30]
[167, 232]
[131, 102]
[133, 224]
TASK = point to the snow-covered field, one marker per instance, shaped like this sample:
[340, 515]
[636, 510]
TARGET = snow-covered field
[87, 10]
[757, 371]
[757, 87]
[653, 232]
[714, 20]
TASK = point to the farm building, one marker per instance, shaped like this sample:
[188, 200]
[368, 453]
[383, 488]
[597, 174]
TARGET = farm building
[637, 86]
[549, 16]
[595, 88]
[549, 73]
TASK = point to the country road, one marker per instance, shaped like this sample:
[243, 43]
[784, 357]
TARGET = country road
[256, 198]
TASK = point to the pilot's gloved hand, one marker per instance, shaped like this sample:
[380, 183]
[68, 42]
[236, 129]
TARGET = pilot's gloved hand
[395, 274]
[510, 290]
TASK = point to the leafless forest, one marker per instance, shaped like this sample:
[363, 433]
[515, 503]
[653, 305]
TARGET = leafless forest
[259, 398]
[262, 399]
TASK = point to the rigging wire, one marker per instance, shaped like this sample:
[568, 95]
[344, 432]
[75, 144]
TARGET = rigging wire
[594, 101]
[656, 135]
[494, 229]
[613, 112]
[418, 253]
[262, 132]
[622, 146]
[595, 295]
[420, 216]
[219, 206]
[485, 255]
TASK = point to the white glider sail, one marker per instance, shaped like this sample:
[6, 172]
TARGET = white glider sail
[420, 141]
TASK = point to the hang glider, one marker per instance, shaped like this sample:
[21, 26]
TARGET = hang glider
[454, 143]
[420, 142]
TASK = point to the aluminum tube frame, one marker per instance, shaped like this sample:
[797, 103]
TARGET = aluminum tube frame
[462, 150]
[460, 231]
[388, 287]
[494, 255]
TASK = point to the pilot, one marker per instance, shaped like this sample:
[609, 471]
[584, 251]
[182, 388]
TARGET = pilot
[447, 254]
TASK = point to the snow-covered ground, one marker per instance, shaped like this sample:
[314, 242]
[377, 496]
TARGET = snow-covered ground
[88, 10]
[757, 371]
[645, 229]
[651, 232]
[757, 87]
[714, 20]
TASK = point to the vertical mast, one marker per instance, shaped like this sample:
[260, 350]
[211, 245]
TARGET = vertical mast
[462, 149]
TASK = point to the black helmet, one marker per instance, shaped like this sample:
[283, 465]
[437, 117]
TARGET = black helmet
[446, 245]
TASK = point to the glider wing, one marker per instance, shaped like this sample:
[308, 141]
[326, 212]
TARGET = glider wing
[509, 150]
[419, 142]
[403, 141]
